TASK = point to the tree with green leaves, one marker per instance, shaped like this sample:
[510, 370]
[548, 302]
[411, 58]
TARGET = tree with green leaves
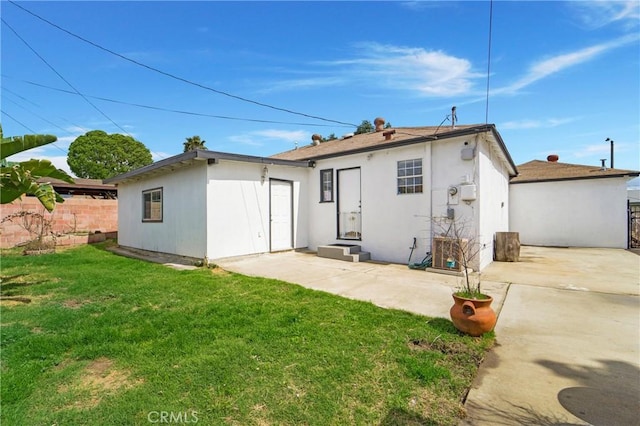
[98, 155]
[367, 127]
[17, 179]
[364, 127]
[193, 143]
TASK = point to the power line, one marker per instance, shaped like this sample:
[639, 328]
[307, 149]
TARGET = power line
[64, 79]
[486, 117]
[222, 117]
[40, 106]
[182, 79]
[33, 113]
[22, 124]
[44, 119]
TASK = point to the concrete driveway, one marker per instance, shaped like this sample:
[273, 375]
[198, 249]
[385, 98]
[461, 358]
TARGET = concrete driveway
[568, 341]
[568, 330]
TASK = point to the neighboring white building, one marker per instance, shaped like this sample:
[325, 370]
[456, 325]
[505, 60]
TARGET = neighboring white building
[570, 205]
[380, 190]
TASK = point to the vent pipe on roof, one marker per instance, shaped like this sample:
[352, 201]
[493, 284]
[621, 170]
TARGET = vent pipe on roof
[603, 162]
[454, 117]
[611, 140]
[379, 123]
[316, 139]
[389, 134]
[553, 158]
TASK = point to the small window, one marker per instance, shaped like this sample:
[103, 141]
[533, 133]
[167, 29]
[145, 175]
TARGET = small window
[326, 186]
[410, 176]
[152, 205]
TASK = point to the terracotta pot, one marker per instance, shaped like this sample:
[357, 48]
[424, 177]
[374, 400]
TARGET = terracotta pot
[473, 316]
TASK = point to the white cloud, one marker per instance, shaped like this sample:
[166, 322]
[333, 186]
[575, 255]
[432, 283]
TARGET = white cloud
[597, 14]
[304, 83]
[417, 6]
[431, 73]
[59, 161]
[555, 64]
[536, 124]
[589, 150]
[156, 156]
[258, 138]
[602, 149]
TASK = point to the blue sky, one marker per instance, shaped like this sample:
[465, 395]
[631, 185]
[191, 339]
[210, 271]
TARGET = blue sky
[564, 76]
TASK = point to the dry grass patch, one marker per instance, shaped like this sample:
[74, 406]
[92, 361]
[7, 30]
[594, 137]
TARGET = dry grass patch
[219, 271]
[75, 304]
[97, 380]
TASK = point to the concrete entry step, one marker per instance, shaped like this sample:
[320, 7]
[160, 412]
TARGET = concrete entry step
[348, 252]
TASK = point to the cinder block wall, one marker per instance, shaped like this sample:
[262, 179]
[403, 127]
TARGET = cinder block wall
[75, 215]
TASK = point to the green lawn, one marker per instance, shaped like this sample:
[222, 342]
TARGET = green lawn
[117, 341]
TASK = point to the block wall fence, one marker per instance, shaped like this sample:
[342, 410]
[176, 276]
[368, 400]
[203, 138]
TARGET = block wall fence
[76, 221]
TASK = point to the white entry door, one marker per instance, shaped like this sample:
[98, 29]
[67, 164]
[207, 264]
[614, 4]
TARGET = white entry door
[281, 213]
[349, 208]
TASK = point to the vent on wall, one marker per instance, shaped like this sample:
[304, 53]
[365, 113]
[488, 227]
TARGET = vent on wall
[447, 253]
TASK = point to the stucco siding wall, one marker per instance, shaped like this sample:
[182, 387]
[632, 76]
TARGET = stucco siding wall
[578, 213]
[493, 200]
[450, 170]
[238, 204]
[183, 228]
[390, 220]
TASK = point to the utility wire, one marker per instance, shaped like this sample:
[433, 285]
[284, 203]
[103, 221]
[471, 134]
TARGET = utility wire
[22, 124]
[486, 117]
[43, 119]
[32, 112]
[182, 79]
[64, 79]
[222, 117]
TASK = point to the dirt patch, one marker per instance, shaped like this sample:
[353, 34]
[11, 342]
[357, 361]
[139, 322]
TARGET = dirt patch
[438, 345]
[455, 349]
[97, 380]
[74, 304]
[11, 302]
[7, 301]
[219, 271]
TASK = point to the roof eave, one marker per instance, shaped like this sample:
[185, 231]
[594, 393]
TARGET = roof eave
[503, 147]
[200, 155]
[570, 178]
[429, 138]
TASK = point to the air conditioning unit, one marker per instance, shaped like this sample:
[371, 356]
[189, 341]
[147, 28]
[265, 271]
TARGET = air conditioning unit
[447, 253]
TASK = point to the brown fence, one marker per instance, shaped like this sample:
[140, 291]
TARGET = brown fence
[76, 221]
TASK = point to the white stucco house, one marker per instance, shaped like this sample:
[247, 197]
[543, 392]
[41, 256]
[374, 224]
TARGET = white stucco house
[570, 205]
[379, 190]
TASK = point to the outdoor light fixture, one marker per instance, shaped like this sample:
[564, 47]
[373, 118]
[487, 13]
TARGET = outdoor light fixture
[265, 174]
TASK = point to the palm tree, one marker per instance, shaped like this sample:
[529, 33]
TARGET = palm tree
[194, 143]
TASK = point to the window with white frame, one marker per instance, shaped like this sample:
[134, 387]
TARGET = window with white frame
[326, 186]
[410, 176]
[152, 205]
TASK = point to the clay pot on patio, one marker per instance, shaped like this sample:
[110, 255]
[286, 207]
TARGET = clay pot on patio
[473, 316]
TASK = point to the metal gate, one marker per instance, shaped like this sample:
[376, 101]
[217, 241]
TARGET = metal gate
[634, 225]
